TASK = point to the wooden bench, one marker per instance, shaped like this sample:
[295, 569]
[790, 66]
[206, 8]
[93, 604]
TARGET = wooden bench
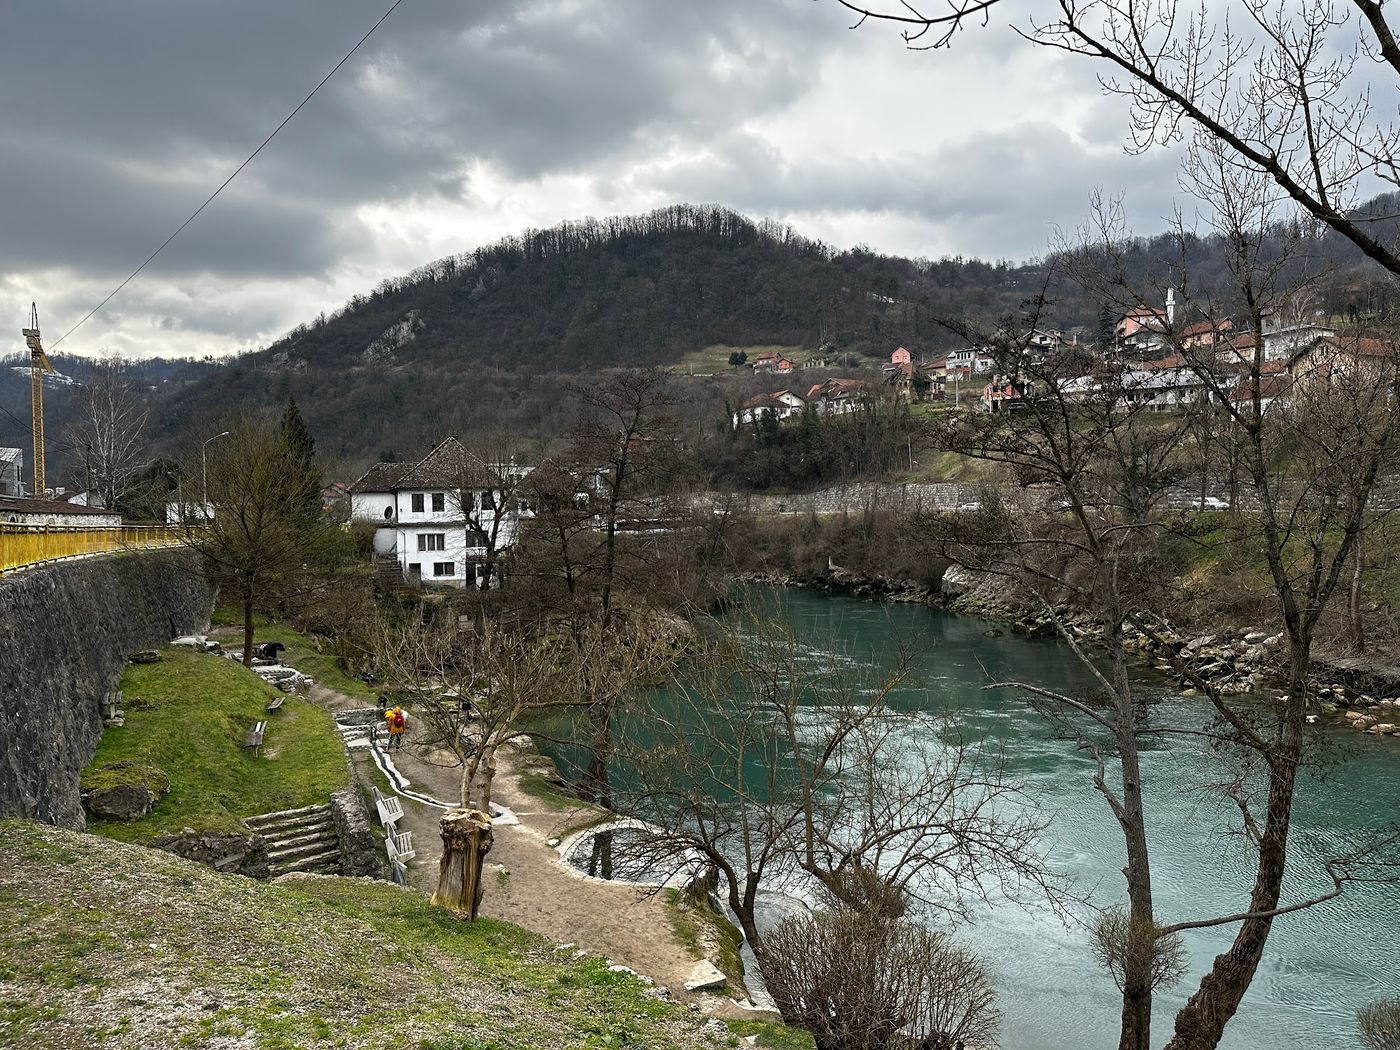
[275, 705]
[390, 809]
[254, 736]
[399, 846]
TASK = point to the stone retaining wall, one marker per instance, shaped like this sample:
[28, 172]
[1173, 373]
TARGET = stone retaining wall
[361, 849]
[66, 631]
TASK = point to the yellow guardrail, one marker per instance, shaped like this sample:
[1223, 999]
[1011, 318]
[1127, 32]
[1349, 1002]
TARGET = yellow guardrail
[22, 545]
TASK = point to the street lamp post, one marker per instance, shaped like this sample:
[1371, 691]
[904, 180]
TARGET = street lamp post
[204, 466]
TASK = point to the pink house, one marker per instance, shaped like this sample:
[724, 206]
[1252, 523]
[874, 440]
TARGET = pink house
[900, 357]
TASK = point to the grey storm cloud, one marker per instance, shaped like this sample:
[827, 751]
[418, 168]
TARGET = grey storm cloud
[121, 118]
[126, 119]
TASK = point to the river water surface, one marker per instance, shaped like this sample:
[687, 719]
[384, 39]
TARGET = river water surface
[1321, 965]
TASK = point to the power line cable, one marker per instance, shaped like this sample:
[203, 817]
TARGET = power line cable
[226, 181]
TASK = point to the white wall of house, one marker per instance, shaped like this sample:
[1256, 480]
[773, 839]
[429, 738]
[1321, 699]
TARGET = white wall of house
[426, 530]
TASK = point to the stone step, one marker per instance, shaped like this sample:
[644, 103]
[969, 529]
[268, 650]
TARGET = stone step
[327, 863]
[294, 827]
[320, 834]
[313, 848]
[286, 816]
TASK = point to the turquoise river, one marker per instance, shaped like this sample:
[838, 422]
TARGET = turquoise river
[1321, 964]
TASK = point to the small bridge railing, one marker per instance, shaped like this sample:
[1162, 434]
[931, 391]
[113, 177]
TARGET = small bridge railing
[22, 545]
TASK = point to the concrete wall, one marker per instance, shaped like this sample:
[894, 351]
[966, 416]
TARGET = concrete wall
[65, 633]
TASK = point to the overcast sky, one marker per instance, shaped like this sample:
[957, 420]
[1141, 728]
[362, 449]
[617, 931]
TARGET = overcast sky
[460, 122]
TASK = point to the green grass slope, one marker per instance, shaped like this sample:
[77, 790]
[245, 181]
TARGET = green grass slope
[106, 944]
[186, 717]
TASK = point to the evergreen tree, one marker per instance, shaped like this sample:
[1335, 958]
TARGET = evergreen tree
[301, 448]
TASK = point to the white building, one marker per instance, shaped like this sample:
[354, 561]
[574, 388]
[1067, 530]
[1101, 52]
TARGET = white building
[15, 510]
[11, 472]
[977, 360]
[782, 404]
[440, 516]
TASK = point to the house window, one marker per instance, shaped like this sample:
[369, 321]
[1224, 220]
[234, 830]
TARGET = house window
[417, 503]
[439, 502]
[389, 513]
[443, 568]
[415, 568]
[432, 541]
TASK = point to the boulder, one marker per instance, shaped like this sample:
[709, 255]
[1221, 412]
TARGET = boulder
[1199, 642]
[145, 656]
[124, 790]
[124, 802]
[706, 977]
[1255, 638]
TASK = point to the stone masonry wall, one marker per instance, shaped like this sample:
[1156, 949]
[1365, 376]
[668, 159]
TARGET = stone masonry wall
[361, 851]
[66, 631]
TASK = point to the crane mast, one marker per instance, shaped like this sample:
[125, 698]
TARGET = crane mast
[38, 365]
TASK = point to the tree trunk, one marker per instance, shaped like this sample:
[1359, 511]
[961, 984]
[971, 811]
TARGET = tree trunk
[247, 626]
[1200, 1024]
[1354, 621]
[466, 839]
[1135, 1029]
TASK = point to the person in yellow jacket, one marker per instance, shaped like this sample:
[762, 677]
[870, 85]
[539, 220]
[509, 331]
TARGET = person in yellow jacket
[396, 721]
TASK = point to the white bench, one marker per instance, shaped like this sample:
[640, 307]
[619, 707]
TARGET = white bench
[390, 809]
[399, 846]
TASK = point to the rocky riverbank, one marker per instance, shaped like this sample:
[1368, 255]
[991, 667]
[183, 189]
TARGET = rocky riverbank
[1236, 660]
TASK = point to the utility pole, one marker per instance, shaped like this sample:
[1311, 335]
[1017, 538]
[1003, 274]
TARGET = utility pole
[204, 466]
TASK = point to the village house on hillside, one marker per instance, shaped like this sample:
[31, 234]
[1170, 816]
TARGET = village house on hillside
[443, 517]
[769, 361]
[781, 404]
[838, 397]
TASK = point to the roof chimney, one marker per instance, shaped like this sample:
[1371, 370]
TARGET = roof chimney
[1171, 306]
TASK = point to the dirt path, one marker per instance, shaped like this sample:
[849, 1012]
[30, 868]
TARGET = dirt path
[528, 884]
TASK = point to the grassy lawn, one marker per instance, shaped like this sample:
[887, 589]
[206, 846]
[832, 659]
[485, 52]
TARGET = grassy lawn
[185, 721]
[716, 358]
[301, 652]
[773, 1036]
[157, 951]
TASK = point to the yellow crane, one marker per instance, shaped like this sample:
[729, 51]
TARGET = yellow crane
[38, 365]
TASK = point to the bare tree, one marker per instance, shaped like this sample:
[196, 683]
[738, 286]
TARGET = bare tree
[489, 495]
[251, 534]
[474, 688]
[776, 773]
[589, 573]
[1285, 89]
[1311, 451]
[863, 982]
[110, 432]
[1092, 540]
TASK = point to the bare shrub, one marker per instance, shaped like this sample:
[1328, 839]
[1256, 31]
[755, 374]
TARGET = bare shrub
[859, 981]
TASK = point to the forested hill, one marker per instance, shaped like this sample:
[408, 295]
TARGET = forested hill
[645, 289]
[488, 340]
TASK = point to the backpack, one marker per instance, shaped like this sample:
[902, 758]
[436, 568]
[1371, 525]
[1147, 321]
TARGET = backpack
[398, 719]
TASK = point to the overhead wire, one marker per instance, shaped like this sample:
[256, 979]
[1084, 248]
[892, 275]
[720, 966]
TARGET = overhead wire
[210, 199]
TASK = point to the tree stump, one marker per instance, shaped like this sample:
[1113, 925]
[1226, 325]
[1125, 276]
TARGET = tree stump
[466, 839]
